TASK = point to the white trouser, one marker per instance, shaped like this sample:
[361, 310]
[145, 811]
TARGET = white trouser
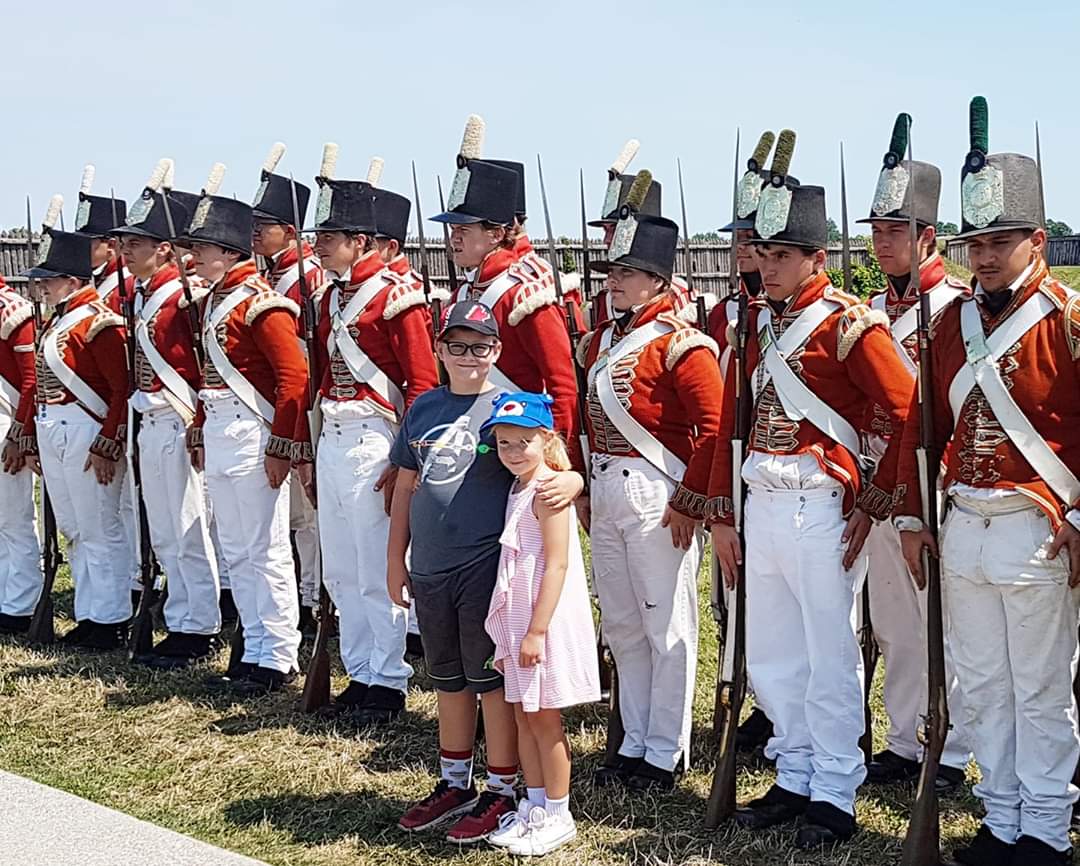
[801, 648]
[648, 598]
[253, 527]
[353, 523]
[1012, 626]
[20, 572]
[898, 615]
[87, 513]
[304, 524]
[175, 497]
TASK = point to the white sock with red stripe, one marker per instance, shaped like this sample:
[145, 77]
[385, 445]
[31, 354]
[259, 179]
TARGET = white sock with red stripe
[456, 768]
[501, 780]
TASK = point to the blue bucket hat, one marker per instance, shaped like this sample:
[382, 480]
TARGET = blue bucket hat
[523, 409]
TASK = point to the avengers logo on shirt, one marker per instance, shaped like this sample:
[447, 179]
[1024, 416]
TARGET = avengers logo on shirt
[447, 451]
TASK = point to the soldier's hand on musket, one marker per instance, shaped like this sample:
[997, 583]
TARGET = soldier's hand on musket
[559, 490]
[397, 582]
[911, 545]
[13, 458]
[1067, 538]
[277, 470]
[682, 527]
[104, 468]
[725, 542]
[858, 527]
[34, 462]
[385, 483]
[305, 472]
[583, 505]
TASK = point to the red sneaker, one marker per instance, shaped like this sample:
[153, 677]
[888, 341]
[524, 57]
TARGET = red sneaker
[440, 805]
[482, 820]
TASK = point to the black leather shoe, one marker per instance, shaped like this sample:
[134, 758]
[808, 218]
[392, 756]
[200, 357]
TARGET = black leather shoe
[11, 624]
[382, 705]
[76, 635]
[986, 849]
[101, 637]
[649, 778]
[233, 676]
[824, 824]
[1030, 851]
[263, 681]
[171, 645]
[616, 773]
[778, 806]
[186, 650]
[949, 779]
[353, 696]
[888, 768]
[754, 733]
[308, 626]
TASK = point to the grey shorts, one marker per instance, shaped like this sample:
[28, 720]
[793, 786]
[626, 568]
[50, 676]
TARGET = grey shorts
[451, 609]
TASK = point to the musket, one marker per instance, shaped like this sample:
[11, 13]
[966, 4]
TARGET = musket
[451, 272]
[42, 630]
[1039, 170]
[731, 674]
[717, 600]
[699, 302]
[434, 303]
[922, 843]
[615, 732]
[316, 694]
[867, 644]
[586, 266]
[189, 302]
[141, 638]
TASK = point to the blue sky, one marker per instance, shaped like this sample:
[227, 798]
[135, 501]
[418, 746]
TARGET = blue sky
[123, 83]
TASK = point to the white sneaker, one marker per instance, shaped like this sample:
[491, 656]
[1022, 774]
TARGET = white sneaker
[512, 826]
[543, 834]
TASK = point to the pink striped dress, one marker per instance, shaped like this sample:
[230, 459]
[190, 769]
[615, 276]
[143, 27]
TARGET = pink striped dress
[568, 675]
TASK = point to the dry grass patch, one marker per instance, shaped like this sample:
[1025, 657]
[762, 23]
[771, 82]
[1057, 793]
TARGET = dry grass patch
[263, 780]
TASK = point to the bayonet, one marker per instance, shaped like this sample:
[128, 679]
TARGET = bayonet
[451, 271]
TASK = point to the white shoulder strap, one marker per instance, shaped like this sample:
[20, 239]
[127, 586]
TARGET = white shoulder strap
[86, 395]
[640, 439]
[981, 369]
[499, 287]
[241, 387]
[108, 284]
[799, 401]
[174, 383]
[360, 365]
[292, 275]
[794, 337]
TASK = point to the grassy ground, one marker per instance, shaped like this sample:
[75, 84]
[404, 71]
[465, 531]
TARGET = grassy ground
[263, 780]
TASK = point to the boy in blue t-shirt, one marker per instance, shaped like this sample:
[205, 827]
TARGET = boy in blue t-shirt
[452, 488]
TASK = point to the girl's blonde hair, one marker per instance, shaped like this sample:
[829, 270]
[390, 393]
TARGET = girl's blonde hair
[555, 453]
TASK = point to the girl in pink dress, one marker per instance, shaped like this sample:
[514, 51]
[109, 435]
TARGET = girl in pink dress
[540, 620]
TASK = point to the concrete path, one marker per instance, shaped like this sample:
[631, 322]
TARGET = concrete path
[41, 826]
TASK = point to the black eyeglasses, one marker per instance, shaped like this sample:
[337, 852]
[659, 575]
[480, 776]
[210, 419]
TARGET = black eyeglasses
[479, 350]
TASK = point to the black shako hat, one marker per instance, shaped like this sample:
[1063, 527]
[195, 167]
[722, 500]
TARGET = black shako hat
[222, 221]
[344, 206]
[98, 215]
[391, 214]
[645, 243]
[520, 210]
[792, 215]
[905, 186]
[998, 191]
[148, 219]
[273, 200]
[753, 181]
[62, 254]
[482, 192]
[649, 207]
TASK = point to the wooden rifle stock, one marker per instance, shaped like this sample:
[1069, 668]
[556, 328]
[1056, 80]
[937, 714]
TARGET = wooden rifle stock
[922, 844]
